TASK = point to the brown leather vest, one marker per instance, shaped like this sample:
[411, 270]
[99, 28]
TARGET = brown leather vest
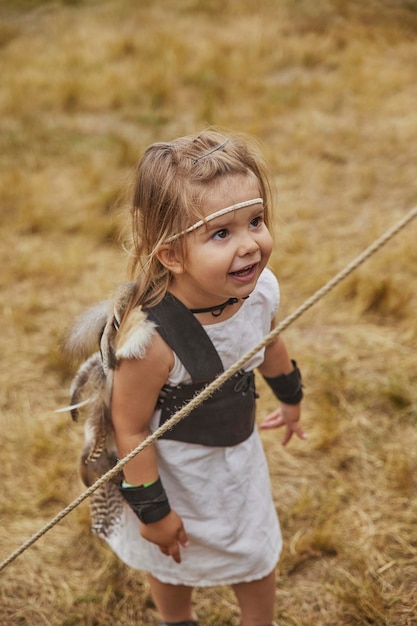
[227, 417]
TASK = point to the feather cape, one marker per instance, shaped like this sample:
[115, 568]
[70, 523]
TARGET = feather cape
[91, 388]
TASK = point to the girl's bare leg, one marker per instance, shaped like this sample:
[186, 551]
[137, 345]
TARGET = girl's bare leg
[256, 601]
[172, 601]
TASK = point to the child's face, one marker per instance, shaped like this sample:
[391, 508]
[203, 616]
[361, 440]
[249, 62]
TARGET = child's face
[224, 258]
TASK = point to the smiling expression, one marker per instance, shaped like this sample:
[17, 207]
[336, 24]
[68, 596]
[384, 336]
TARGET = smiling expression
[225, 257]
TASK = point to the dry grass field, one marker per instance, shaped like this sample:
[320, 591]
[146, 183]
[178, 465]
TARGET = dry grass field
[329, 88]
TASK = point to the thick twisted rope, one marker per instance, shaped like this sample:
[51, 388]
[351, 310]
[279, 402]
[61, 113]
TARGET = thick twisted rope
[218, 382]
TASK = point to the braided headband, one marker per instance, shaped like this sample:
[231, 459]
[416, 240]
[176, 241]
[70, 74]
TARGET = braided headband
[212, 216]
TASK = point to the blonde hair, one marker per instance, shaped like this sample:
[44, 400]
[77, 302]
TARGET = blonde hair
[171, 180]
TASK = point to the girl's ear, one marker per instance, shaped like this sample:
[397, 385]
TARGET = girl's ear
[170, 257]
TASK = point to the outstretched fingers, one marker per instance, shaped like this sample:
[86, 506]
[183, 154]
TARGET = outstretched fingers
[288, 416]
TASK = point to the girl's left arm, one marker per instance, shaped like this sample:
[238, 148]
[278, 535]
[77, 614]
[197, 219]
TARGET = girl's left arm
[276, 363]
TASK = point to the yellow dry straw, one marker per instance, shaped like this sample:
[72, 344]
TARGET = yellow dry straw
[220, 380]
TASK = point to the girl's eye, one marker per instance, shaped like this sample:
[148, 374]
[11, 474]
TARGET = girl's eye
[221, 234]
[257, 221]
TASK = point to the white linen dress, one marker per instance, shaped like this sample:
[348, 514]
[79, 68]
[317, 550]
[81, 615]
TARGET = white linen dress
[222, 494]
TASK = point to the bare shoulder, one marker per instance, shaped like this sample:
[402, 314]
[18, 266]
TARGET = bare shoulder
[155, 364]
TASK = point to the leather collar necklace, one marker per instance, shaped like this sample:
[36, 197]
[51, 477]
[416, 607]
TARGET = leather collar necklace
[218, 309]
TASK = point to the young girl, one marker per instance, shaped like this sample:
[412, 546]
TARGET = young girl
[198, 508]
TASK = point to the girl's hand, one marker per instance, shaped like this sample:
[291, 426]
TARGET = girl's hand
[168, 534]
[287, 415]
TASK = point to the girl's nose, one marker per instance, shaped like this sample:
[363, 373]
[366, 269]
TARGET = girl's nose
[248, 244]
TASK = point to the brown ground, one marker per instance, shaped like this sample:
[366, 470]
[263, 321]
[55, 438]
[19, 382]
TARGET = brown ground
[330, 89]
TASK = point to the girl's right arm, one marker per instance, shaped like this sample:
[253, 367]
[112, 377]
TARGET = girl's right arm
[136, 386]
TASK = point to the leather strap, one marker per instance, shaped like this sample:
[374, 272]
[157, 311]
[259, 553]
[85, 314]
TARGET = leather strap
[184, 334]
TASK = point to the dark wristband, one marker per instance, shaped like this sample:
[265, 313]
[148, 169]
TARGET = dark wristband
[149, 503]
[288, 388]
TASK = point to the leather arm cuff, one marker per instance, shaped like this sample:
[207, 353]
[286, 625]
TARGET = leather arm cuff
[149, 503]
[288, 388]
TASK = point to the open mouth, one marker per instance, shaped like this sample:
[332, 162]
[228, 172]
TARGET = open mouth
[246, 271]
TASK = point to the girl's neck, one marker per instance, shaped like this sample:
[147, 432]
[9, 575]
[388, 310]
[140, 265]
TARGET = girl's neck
[209, 314]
